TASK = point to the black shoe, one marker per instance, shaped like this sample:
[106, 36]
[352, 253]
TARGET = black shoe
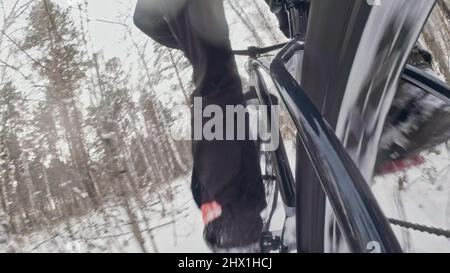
[234, 233]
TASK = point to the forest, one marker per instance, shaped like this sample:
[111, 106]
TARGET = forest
[86, 123]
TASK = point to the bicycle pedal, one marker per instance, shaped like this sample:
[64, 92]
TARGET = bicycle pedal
[269, 243]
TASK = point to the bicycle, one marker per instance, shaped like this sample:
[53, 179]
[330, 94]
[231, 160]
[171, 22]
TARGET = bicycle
[324, 168]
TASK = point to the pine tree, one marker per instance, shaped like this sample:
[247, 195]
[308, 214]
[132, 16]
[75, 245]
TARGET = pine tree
[62, 67]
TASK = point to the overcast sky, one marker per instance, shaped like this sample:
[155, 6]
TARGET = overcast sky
[108, 38]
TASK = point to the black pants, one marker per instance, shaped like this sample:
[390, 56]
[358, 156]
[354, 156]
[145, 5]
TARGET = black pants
[224, 171]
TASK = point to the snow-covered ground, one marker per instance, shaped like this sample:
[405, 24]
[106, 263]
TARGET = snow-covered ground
[424, 199]
[109, 230]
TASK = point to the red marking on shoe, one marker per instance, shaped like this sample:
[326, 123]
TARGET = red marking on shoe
[210, 212]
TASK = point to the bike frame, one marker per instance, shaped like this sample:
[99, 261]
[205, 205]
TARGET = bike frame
[361, 220]
[355, 207]
[287, 187]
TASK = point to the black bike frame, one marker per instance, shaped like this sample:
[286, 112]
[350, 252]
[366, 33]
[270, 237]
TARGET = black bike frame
[427, 82]
[282, 168]
[357, 212]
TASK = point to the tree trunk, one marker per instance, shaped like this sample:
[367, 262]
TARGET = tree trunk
[436, 24]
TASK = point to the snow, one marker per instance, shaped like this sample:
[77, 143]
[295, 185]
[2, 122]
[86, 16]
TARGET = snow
[424, 200]
[109, 230]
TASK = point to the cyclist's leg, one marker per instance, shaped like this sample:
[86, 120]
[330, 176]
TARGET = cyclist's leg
[227, 172]
[149, 18]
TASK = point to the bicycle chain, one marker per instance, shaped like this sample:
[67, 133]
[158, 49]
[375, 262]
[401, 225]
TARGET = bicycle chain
[421, 228]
